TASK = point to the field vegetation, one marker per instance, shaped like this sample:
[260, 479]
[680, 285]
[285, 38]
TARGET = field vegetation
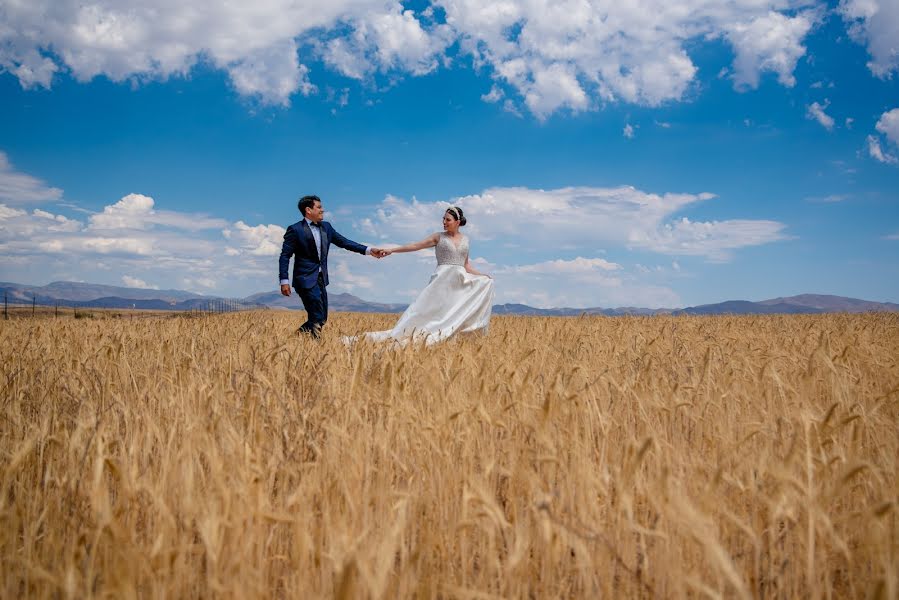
[654, 457]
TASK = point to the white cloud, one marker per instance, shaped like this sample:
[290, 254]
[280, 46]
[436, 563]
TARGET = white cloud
[7, 212]
[344, 278]
[136, 211]
[273, 73]
[57, 222]
[118, 245]
[494, 95]
[876, 24]
[255, 42]
[134, 282]
[555, 54]
[32, 69]
[579, 217]
[131, 212]
[580, 282]
[829, 199]
[893, 236]
[888, 125]
[15, 222]
[769, 42]
[259, 240]
[816, 112]
[387, 38]
[553, 87]
[344, 97]
[511, 108]
[131, 237]
[20, 188]
[202, 282]
[52, 246]
[628, 131]
[570, 53]
[712, 239]
[877, 152]
[577, 265]
[186, 221]
[583, 270]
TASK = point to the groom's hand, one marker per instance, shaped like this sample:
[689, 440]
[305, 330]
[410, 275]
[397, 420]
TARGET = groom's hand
[285, 289]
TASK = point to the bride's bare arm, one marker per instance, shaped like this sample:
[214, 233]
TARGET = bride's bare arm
[428, 242]
[474, 271]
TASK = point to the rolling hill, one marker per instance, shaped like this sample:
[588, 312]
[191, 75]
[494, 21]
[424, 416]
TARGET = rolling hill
[71, 293]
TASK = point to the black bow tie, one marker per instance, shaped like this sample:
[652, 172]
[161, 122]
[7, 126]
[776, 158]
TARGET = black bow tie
[319, 225]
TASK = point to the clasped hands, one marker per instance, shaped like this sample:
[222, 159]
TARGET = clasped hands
[381, 252]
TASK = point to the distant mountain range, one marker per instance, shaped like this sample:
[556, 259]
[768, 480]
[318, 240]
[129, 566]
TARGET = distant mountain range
[77, 294]
[71, 293]
[801, 304]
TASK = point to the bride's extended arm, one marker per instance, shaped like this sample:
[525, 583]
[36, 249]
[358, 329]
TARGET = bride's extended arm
[474, 271]
[428, 242]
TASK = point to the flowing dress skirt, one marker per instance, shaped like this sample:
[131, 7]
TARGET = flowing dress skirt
[453, 302]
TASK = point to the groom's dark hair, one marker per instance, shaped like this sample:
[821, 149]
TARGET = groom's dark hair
[307, 202]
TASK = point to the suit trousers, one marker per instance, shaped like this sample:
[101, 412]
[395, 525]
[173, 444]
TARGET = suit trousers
[315, 301]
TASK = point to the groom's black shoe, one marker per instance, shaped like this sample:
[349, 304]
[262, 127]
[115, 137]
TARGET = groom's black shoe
[314, 330]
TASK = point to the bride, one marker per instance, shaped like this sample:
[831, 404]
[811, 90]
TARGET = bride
[457, 299]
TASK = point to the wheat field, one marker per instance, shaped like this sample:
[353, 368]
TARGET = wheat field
[634, 457]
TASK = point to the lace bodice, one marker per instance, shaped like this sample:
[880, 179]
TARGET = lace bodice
[448, 254]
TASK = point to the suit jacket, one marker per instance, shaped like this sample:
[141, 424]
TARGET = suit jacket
[299, 243]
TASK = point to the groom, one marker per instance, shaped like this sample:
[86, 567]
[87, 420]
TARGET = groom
[308, 241]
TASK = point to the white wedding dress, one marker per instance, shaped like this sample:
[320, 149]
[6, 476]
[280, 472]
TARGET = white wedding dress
[454, 301]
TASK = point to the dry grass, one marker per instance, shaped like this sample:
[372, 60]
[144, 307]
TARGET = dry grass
[747, 457]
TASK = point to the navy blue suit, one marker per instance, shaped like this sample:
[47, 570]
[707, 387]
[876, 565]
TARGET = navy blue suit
[310, 273]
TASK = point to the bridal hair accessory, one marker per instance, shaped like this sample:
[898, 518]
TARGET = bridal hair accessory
[458, 215]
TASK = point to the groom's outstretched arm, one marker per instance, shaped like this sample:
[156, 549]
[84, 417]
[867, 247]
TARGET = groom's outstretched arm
[347, 244]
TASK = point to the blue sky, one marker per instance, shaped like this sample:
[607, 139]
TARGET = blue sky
[625, 154]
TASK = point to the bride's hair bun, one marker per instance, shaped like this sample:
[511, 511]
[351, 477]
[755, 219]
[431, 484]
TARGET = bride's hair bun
[458, 215]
